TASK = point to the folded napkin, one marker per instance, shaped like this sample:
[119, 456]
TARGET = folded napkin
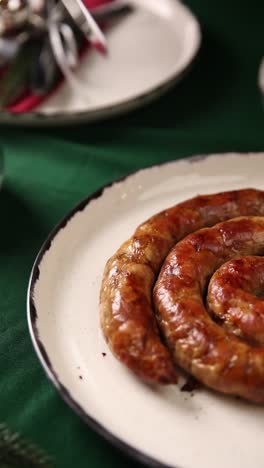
[30, 101]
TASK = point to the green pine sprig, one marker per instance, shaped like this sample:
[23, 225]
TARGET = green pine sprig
[16, 78]
[16, 452]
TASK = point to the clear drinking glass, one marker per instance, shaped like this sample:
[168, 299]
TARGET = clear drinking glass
[261, 77]
[1, 166]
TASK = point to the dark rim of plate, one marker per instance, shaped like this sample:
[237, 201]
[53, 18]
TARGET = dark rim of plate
[107, 112]
[32, 316]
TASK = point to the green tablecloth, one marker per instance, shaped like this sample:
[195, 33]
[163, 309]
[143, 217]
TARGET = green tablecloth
[217, 107]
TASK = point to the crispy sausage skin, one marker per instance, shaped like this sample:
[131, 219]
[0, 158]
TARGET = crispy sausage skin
[214, 356]
[235, 298]
[126, 303]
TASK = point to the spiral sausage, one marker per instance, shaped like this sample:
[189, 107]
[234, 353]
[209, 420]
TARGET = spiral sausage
[235, 298]
[199, 345]
[127, 317]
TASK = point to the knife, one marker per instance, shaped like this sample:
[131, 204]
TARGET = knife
[86, 23]
[112, 10]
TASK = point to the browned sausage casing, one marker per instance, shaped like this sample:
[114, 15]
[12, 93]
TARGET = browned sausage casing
[215, 357]
[126, 304]
[235, 298]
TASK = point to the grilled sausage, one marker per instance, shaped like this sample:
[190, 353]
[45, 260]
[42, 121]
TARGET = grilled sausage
[126, 304]
[213, 355]
[235, 298]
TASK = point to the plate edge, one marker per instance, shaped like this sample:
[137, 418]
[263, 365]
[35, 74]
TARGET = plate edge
[32, 312]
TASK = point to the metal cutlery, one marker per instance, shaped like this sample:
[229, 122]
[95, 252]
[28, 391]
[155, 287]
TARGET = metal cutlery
[86, 23]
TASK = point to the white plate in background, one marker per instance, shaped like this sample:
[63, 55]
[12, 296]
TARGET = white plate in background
[149, 50]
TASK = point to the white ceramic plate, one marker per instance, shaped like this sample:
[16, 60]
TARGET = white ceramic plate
[158, 425]
[148, 52]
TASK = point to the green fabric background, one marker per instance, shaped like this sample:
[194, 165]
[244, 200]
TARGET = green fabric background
[217, 107]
